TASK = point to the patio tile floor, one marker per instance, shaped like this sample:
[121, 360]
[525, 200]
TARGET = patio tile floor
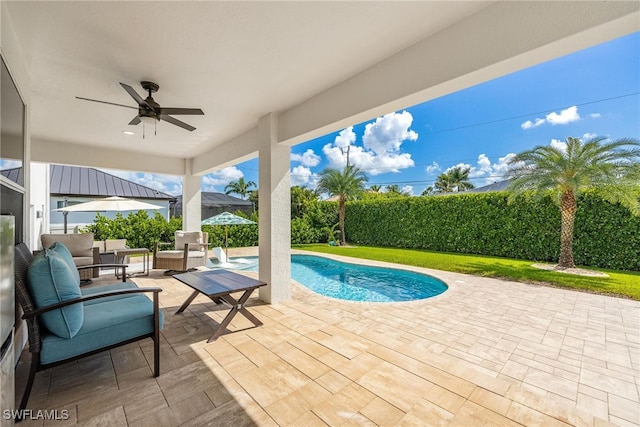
[486, 352]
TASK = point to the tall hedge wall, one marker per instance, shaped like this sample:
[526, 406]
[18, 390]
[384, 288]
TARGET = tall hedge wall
[606, 235]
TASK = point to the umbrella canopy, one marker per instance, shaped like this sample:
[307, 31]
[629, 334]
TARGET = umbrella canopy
[226, 219]
[114, 203]
[109, 204]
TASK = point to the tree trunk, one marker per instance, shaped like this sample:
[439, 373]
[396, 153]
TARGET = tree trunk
[341, 212]
[568, 207]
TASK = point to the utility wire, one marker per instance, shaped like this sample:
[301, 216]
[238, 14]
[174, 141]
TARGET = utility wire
[481, 124]
[534, 114]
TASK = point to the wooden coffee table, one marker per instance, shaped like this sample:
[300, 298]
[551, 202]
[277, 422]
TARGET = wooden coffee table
[218, 285]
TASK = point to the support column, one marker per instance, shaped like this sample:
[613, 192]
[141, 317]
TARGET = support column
[274, 213]
[191, 200]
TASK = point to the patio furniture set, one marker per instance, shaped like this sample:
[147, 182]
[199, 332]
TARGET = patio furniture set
[67, 322]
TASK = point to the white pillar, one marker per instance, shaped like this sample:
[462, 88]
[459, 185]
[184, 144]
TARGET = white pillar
[191, 200]
[274, 213]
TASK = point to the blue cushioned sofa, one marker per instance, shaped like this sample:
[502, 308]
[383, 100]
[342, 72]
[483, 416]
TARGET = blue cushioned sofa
[66, 323]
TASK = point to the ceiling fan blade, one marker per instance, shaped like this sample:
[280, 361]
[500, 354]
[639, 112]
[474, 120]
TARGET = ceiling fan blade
[136, 121]
[191, 111]
[131, 91]
[106, 102]
[177, 122]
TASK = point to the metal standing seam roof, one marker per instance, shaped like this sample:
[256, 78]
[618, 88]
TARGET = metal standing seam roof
[496, 186]
[79, 181]
[217, 199]
[14, 174]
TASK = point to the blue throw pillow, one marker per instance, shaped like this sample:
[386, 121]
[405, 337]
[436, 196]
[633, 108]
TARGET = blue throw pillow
[51, 280]
[64, 252]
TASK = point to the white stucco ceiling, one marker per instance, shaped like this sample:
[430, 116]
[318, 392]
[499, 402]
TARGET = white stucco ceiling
[235, 60]
[318, 66]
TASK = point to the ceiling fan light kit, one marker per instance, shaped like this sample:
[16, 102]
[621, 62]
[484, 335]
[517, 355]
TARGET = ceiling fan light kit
[149, 111]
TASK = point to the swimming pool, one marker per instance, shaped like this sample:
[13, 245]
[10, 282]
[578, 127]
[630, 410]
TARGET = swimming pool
[355, 282]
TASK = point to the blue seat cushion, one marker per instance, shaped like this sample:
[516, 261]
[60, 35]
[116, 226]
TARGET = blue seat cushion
[64, 252]
[106, 323]
[106, 288]
[51, 280]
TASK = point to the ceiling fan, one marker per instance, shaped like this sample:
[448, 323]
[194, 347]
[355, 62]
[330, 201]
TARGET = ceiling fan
[149, 111]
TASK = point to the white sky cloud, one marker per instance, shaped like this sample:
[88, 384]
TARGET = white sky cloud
[529, 124]
[169, 184]
[565, 116]
[300, 175]
[595, 115]
[381, 149]
[309, 158]
[9, 164]
[407, 189]
[484, 168]
[433, 168]
[560, 145]
[216, 181]
[588, 135]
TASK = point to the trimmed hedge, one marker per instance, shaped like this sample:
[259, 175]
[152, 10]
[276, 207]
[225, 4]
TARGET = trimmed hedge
[140, 230]
[606, 235]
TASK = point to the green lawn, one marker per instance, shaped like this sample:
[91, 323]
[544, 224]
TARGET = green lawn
[619, 283]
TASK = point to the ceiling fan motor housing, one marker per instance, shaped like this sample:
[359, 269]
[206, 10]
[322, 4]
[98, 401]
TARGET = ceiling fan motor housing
[150, 111]
[150, 87]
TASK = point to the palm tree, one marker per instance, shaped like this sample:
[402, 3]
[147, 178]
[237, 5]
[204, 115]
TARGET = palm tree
[459, 178]
[454, 179]
[375, 188]
[610, 168]
[347, 185]
[427, 191]
[443, 183]
[239, 187]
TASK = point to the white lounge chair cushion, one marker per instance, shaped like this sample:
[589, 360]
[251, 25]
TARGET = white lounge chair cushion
[183, 237]
[176, 254]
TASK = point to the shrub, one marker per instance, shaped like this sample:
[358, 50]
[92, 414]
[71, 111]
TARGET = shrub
[606, 235]
[140, 230]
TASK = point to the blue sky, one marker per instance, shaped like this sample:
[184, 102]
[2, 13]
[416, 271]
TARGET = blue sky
[588, 93]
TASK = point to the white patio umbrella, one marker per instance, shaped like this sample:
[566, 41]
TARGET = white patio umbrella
[226, 219]
[114, 203]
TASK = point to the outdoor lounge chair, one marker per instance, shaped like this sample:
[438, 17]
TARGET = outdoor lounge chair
[66, 323]
[219, 253]
[191, 251]
[81, 248]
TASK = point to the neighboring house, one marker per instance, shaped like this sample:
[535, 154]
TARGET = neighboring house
[69, 185]
[216, 203]
[496, 186]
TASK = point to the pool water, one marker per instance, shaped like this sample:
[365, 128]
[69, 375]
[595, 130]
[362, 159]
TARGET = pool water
[355, 282]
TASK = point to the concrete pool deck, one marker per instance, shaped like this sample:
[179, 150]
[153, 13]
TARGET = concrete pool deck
[486, 352]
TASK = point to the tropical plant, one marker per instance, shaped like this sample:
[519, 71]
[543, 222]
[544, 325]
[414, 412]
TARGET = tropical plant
[302, 199]
[454, 179]
[443, 183]
[375, 188]
[254, 197]
[346, 185]
[395, 190]
[427, 191]
[460, 178]
[240, 187]
[610, 168]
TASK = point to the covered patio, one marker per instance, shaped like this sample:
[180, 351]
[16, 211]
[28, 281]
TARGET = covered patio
[486, 352]
[268, 76]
